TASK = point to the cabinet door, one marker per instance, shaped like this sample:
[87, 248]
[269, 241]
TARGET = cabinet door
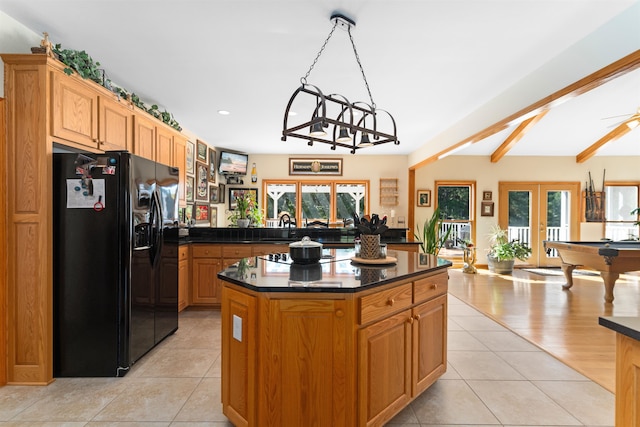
[164, 146]
[429, 343]
[205, 287]
[75, 111]
[309, 374]
[183, 284]
[180, 162]
[144, 135]
[115, 125]
[384, 368]
[239, 345]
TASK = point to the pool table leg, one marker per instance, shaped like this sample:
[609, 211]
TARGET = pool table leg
[567, 269]
[609, 282]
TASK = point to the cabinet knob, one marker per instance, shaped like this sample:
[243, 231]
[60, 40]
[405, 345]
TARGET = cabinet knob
[206, 252]
[339, 313]
[391, 301]
[417, 317]
[434, 286]
[410, 320]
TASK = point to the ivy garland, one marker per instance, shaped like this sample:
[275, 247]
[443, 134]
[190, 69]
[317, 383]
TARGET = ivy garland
[87, 68]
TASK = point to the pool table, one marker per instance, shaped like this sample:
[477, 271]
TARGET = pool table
[608, 257]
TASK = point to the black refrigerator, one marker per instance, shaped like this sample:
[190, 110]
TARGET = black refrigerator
[115, 288]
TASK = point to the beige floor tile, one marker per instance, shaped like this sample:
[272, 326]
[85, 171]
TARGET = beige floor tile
[503, 341]
[205, 404]
[481, 365]
[451, 402]
[201, 424]
[520, 402]
[453, 326]
[406, 417]
[463, 340]
[127, 424]
[15, 399]
[451, 373]
[462, 310]
[43, 424]
[150, 399]
[215, 371]
[478, 323]
[75, 399]
[587, 401]
[178, 362]
[540, 366]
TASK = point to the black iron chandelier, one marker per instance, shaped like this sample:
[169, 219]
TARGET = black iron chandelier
[335, 120]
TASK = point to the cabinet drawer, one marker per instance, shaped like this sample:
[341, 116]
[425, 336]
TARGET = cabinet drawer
[429, 287]
[206, 251]
[385, 302]
[183, 252]
[236, 251]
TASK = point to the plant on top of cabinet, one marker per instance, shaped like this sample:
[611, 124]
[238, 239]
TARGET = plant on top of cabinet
[87, 68]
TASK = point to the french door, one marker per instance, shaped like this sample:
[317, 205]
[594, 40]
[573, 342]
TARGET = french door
[537, 211]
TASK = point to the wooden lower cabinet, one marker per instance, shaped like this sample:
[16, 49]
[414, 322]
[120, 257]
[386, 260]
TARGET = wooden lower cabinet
[292, 359]
[183, 277]
[627, 381]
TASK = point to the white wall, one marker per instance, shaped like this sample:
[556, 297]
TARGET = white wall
[14, 38]
[487, 176]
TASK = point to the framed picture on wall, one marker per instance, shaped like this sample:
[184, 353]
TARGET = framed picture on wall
[486, 195]
[486, 209]
[202, 181]
[213, 216]
[201, 154]
[236, 192]
[202, 214]
[189, 190]
[212, 165]
[213, 194]
[191, 157]
[424, 198]
[221, 193]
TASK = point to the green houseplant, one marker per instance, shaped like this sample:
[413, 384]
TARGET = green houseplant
[431, 240]
[246, 212]
[503, 252]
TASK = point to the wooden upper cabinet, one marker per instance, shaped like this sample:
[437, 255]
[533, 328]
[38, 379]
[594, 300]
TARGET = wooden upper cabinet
[164, 146]
[144, 133]
[115, 125]
[75, 111]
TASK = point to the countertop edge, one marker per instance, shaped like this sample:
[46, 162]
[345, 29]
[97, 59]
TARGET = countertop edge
[628, 326]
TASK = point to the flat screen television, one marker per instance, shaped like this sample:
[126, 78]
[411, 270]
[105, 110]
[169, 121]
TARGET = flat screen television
[233, 163]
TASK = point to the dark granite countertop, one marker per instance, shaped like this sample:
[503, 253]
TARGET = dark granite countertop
[336, 272]
[286, 235]
[629, 326]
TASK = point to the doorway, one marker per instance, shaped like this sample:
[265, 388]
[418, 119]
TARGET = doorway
[537, 211]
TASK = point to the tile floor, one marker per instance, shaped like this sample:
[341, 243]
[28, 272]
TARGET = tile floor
[494, 377]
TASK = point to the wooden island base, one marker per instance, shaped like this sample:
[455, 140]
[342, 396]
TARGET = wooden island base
[331, 358]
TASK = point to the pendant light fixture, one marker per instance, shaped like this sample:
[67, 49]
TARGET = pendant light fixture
[336, 112]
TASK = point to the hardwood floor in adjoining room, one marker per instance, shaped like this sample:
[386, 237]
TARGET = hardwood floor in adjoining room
[562, 322]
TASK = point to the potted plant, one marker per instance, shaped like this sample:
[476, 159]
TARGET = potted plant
[503, 252]
[431, 240]
[246, 212]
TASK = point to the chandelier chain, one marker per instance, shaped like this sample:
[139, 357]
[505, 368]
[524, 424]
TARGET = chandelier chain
[303, 80]
[355, 51]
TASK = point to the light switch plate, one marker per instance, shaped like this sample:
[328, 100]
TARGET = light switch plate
[237, 328]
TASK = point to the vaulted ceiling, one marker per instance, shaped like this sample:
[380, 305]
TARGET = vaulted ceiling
[445, 69]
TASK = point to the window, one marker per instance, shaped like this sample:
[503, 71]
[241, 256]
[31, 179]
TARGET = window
[456, 200]
[620, 201]
[326, 201]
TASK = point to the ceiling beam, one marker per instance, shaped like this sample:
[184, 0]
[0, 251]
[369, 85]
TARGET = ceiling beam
[616, 69]
[516, 136]
[616, 133]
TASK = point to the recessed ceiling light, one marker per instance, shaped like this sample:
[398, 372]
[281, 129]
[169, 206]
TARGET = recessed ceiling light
[223, 112]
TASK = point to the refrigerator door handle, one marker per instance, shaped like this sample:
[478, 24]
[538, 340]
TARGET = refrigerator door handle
[157, 228]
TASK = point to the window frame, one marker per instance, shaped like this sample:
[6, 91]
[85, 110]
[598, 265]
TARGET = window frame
[472, 210]
[607, 221]
[333, 184]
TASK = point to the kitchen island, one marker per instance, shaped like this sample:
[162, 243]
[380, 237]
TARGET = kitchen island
[335, 343]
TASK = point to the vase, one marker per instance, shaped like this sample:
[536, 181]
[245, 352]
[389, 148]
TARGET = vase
[469, 258]
[370, 246]
[500, 267]
[243, 222]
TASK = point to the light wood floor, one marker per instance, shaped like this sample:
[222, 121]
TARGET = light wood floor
[562, 322]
